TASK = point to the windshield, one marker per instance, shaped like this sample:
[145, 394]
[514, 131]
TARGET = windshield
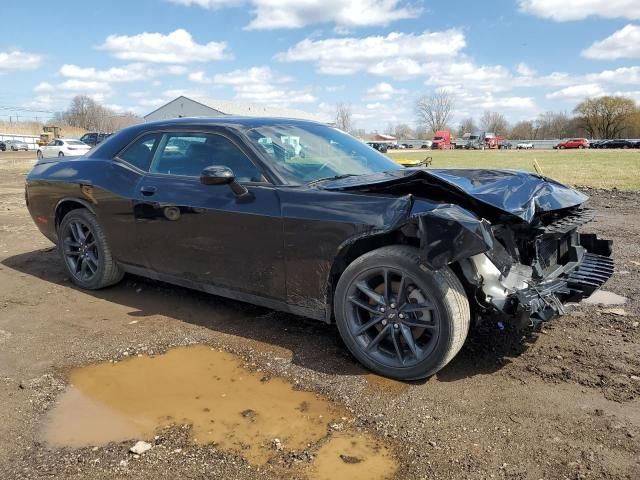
[307, 153]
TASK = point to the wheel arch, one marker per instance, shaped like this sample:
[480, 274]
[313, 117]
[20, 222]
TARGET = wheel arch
[66, 205]
[356, 247]
[429, 232]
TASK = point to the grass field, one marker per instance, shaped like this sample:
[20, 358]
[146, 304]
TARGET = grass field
[592, 168]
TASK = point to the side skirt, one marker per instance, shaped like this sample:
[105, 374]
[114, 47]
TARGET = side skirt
[315, 314]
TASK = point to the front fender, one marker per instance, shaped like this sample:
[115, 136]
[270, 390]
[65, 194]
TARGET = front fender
[450, 233]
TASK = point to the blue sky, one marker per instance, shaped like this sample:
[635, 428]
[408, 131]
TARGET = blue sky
[519, 57]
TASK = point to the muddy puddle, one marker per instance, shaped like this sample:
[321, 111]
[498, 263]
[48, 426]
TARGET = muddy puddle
[237, 410]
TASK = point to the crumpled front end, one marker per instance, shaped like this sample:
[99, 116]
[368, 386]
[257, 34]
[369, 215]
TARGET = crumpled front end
[532, 272]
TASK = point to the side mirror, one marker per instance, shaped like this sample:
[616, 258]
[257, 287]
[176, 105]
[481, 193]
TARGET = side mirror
[220, 175]
[217, 175]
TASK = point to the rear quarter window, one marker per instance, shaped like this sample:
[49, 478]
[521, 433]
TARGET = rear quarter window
[140, 152]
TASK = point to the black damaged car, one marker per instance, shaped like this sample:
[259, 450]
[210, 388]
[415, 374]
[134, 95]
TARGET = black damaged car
[301, 217]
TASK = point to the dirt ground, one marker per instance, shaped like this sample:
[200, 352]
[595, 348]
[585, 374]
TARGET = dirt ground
[561, 403]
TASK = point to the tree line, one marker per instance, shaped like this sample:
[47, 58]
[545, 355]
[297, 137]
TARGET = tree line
[606, 117]
[86, 113]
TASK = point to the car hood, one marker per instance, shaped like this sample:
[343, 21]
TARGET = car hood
[518, 193]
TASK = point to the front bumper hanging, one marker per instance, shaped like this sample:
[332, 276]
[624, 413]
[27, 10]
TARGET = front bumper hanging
[592, 267]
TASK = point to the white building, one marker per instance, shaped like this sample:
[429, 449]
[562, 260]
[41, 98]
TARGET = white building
[204, 107]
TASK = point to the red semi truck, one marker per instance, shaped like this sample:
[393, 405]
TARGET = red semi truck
[442, 140]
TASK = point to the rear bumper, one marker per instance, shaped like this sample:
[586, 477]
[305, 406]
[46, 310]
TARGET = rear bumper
[591, 267]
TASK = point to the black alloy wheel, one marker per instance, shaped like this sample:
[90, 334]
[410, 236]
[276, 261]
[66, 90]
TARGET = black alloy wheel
[391, 318]
[85, 251]
[399, 318]
[80, 250]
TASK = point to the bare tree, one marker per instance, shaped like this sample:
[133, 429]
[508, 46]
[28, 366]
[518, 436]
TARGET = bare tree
[344, 117]
[524, 130]
[606, 117]
[494, 122]
[404, 131]
[466, 126]
[554, 125]
[84, 112]
[434, 111]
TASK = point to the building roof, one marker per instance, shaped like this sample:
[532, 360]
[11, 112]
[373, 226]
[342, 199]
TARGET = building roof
[381, 136]
[232, 107]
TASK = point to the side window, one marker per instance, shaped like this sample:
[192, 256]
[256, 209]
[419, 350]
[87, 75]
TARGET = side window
[189, 153]
[140, 153]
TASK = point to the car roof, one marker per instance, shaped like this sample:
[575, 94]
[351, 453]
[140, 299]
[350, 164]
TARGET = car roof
[242, 123]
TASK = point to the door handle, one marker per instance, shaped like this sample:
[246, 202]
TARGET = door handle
[148, 190]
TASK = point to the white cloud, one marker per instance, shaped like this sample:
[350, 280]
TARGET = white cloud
[525, 70]
[177, 47]
[625, 43]
[517, 103]
[273, 14]
[622, 75]
[56, 97]
[127, 73]
[384, 91]
[16, 60]
[260, 85]
[577, 92]
[84, 86]
[44, 87]
[209, 4]
[581, 9]
[397, 54]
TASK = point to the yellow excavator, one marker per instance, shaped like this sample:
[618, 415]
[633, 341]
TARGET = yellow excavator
[50, 132]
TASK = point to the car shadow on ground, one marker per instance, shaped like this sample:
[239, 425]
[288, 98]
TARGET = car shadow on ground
[314, 345]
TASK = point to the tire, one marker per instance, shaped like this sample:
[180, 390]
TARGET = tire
[39, 155]
[60, 154]
[438, 331]
[97, 254]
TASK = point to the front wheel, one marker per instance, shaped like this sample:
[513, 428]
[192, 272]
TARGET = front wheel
[397, 317]
[85, 251]
[60, 154]
[39, 155]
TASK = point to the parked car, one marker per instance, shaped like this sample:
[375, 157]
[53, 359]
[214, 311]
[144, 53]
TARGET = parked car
[572, 143]
[381, 147]
[61, 147]
[301, 217]
[524, 146]
[428, 144]
[619, 143]
[3, 147]
[596, 143]
[94, 138]
[505, 146]
[16, 145]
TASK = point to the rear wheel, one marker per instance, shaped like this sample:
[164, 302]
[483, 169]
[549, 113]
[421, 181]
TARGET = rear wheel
[60, 154]
[85, 251]
[39, 155]
[399, 318]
